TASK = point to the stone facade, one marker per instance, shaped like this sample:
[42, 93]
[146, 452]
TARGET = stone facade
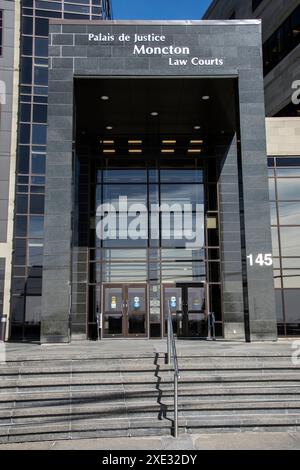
[248, 291]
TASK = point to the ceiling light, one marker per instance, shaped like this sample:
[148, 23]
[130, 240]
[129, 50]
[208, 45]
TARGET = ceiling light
[154, 113]
[135, 142]
[197, 128]
[167, 150]
[109, 128]
[105, 97]
[205, 97]
[194, 150]
[169, 142]
[109, 151]
[196, 142]
[135, 150]
[107, 142]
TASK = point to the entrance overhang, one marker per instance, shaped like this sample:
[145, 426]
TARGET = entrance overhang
[224, 49]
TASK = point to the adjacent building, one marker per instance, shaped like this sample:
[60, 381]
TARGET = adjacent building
[281, 65]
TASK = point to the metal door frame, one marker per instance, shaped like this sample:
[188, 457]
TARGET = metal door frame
[184, 292]
[125, 316]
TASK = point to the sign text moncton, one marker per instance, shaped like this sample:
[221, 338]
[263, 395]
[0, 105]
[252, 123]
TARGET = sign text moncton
[155, 45]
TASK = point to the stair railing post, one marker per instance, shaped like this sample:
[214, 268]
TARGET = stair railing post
[175, 405]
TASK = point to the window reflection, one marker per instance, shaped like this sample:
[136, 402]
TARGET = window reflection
[288, 189]
[289, 213]
[290, 241]
[272, 189]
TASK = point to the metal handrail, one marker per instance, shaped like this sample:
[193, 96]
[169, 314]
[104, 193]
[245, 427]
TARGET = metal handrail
[172, 352]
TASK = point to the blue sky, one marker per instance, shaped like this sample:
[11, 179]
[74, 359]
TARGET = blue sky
[159, 9]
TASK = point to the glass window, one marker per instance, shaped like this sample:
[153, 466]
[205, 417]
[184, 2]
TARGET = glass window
[181, 176]
[273, 213]
[123, 176]
[36, 226]
[41, 27]
[23, 159]
[275, 244]
[35, 253]
[21, 226]
[272, 189]
[41, 76]
[290, 241]
[19, 254]
[292, 172]
[17, 308]
[277, 279]
[27, 25]
[290, 263]
[134, 194]
[48, 5]
[41, 47]
[36, 204]
[288, 189]
[38, 163]
[287, 161]
[25, 112]
[33, 309]
[292, 300]
[38, 180]
[289, 213]
[77, 8]
[26, 70]
[24, 133]
[182, 194]
[22, 204]
[39, 113]
[39, 134]
[291, 278]
[278, 300]
[27, 45]
[282, 41]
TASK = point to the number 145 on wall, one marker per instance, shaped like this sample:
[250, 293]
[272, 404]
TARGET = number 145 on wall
[261, 259]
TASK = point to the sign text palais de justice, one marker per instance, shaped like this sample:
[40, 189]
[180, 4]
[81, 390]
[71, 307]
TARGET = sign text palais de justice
[158, 48]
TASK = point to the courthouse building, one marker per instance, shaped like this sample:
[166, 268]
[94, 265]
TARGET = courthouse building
[135, 170]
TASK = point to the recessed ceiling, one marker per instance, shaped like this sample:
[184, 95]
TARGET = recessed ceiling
[178, 102]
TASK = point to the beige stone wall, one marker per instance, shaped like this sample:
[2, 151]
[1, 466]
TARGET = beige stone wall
[283, 136]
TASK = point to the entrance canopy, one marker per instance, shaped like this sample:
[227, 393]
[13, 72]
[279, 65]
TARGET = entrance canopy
[188, 90]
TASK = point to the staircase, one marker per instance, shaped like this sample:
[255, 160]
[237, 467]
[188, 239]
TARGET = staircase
[124, 395]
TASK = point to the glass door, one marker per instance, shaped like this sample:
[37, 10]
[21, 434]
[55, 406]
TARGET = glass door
[113, 311]
[125, 310]
[173, 301]
[136, 312]
[188, 309]
[195, 311]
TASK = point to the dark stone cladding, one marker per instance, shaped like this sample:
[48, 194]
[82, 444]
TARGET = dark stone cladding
[239, 44]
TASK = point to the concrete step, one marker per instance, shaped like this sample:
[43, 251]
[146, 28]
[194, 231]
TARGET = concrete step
[140, 378]
[85, 429]
[141, 426]
[145, 406]
[131, 391]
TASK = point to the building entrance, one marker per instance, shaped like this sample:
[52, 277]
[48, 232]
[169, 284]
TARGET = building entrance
[124, 310]
[188, 306]
[146, 221]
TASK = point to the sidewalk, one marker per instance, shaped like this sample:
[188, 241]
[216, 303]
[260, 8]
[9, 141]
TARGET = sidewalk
[222, 441]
